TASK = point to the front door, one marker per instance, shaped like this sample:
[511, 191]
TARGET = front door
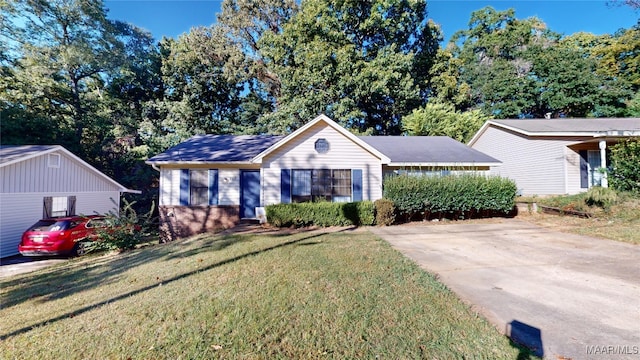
[595, 176]
[249, 193]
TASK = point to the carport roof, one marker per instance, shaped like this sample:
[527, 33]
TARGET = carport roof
[610, 126]
[587, 128]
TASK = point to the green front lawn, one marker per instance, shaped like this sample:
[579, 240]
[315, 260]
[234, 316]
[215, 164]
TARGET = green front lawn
[344, 294]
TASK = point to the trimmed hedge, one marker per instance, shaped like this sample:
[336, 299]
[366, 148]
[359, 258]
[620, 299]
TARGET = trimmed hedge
[321, 214]
[458, 196]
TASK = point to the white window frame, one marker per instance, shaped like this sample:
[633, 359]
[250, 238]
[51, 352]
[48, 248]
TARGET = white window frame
[59, 206]
[54, 160]
[306, 183]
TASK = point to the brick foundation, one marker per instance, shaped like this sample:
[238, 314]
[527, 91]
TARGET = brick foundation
[183, 221]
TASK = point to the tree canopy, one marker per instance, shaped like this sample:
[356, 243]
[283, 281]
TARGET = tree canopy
[109, 92]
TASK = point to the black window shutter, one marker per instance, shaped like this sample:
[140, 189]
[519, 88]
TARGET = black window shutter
[213, 187]
[285, 186]
[71, 205]
[46, 209]
[356, 183]
[184, 187]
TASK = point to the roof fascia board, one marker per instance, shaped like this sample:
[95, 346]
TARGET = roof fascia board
[166, 162]
[384, 159]
[443, 164]
[626, 133]
[483, 128]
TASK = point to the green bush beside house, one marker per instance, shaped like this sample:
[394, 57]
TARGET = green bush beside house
[321, 214]
[407, 198]
[452, 196]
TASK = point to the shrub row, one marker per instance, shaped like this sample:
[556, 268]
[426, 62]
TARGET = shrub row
[321, 214]
[461, 196]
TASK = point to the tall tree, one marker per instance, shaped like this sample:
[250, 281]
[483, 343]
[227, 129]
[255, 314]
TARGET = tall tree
[494, 62]
[440, 119]
[353, 60]
[445, 83]
[198, 97]
[242, 23]
[518, 68]
[614, 64]
[634, 4]
[61, 52]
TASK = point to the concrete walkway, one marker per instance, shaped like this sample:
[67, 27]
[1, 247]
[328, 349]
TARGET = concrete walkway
[563, 295]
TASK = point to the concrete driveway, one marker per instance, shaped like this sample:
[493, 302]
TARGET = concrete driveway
[563, 295]
[18, 264]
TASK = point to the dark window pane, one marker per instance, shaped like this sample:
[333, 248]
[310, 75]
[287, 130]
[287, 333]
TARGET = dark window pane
[199, 184]
[341, 185]
[321, 185]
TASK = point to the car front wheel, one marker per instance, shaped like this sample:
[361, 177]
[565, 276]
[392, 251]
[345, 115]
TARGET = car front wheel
[81, 248]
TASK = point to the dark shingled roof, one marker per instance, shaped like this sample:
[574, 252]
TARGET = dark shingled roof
[400, 149]
[218, 148]
[10, 153]
[572, 125]
[426, 149]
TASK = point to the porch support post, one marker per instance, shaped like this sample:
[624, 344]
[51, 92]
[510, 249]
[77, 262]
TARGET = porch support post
[603, 162]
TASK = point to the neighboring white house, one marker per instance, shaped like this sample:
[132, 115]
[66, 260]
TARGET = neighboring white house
[40, 181]
[553, 156]
[212, 181]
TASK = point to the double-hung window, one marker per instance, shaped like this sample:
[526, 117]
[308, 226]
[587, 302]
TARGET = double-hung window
[301, 186]
[199, 187]
[321, 184]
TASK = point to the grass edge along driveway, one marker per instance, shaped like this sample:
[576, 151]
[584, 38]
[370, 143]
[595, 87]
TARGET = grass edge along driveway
[332, 293]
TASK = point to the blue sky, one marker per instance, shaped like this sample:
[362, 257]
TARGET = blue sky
[173, 17]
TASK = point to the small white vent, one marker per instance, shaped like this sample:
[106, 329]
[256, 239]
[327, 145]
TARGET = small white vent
[54, 160]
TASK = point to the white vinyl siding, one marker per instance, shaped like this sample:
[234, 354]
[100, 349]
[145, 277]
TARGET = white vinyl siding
[229, 187]
[572, 178]
[25, 184]
[300, 153]
[20, 210]
[36, 175]
[539, 166]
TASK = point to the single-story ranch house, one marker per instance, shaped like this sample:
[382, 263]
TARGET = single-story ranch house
[553, 156]
[210, 182]
[42, 181]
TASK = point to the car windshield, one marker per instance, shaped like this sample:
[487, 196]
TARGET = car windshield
[50, 225]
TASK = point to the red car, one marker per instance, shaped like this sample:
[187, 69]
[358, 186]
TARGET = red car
[60, 236]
